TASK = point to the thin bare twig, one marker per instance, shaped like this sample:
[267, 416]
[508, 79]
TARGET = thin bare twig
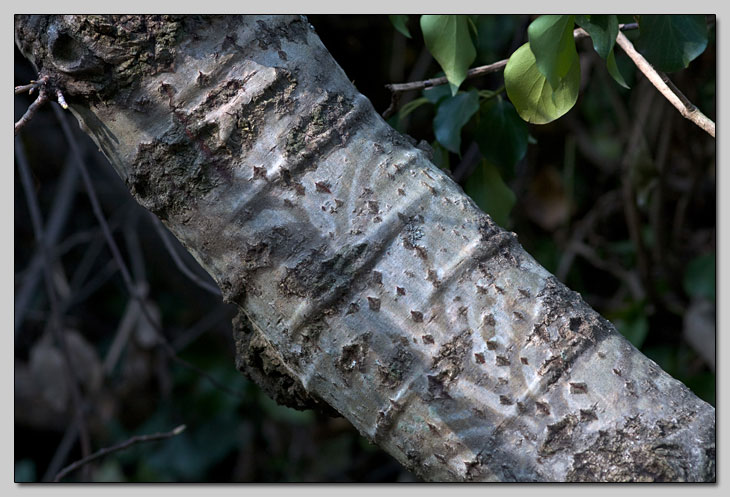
[25, 88]
[428, 83]
[64, 447]
[681, 103]
[32, 109]
[32, 86]
[124, 445]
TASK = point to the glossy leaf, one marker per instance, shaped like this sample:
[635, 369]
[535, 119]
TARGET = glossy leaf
[603, 30]
[400, 23]
[552, 43]
[486, 187]
[614, 71]
[447, 38]
[501, 134]
[534, 98]
[437, 93]
[671, 42]
[452, 114]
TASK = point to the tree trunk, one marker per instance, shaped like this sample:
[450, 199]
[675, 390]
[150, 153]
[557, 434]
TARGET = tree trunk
[366, 279]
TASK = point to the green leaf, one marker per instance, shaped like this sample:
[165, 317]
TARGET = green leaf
[699, 278]
[613, 70]
[501, 134]
[603, 30]
[400, 22]
[552, 43]
[452, 114]
[534, 98]
[411, 106]
[437, 93]
[491, 194]
[447, 38]
[671, 42]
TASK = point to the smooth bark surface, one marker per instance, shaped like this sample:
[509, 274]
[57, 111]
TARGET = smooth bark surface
[366, 279]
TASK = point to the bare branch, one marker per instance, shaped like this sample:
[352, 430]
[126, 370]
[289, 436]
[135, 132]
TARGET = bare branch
[124, 445]
[662, 83]
[32, 109]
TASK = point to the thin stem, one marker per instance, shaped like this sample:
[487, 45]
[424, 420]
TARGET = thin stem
[662, 83]
[124, 445]
[32, 109]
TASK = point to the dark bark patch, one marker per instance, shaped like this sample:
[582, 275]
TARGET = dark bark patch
[588, 415]
[171, 173]
[417, 316]
[352, 357]
[451, 356]
[578, 388]
[437, 390]
[270, 34]
[322, 187]
[318, 130]
[252, 257]
[501, 360]
[275, 97]
[374, 303]
[630, 454]
[559, 436]
[398, 365]
[261, 362]
[315, 276]
[542, 408]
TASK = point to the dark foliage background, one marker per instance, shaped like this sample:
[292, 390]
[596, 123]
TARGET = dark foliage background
[570, 215]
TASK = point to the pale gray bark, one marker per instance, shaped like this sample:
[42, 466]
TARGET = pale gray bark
[367, 281]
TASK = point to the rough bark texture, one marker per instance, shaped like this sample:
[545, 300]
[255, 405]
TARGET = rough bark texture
[366, 280]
